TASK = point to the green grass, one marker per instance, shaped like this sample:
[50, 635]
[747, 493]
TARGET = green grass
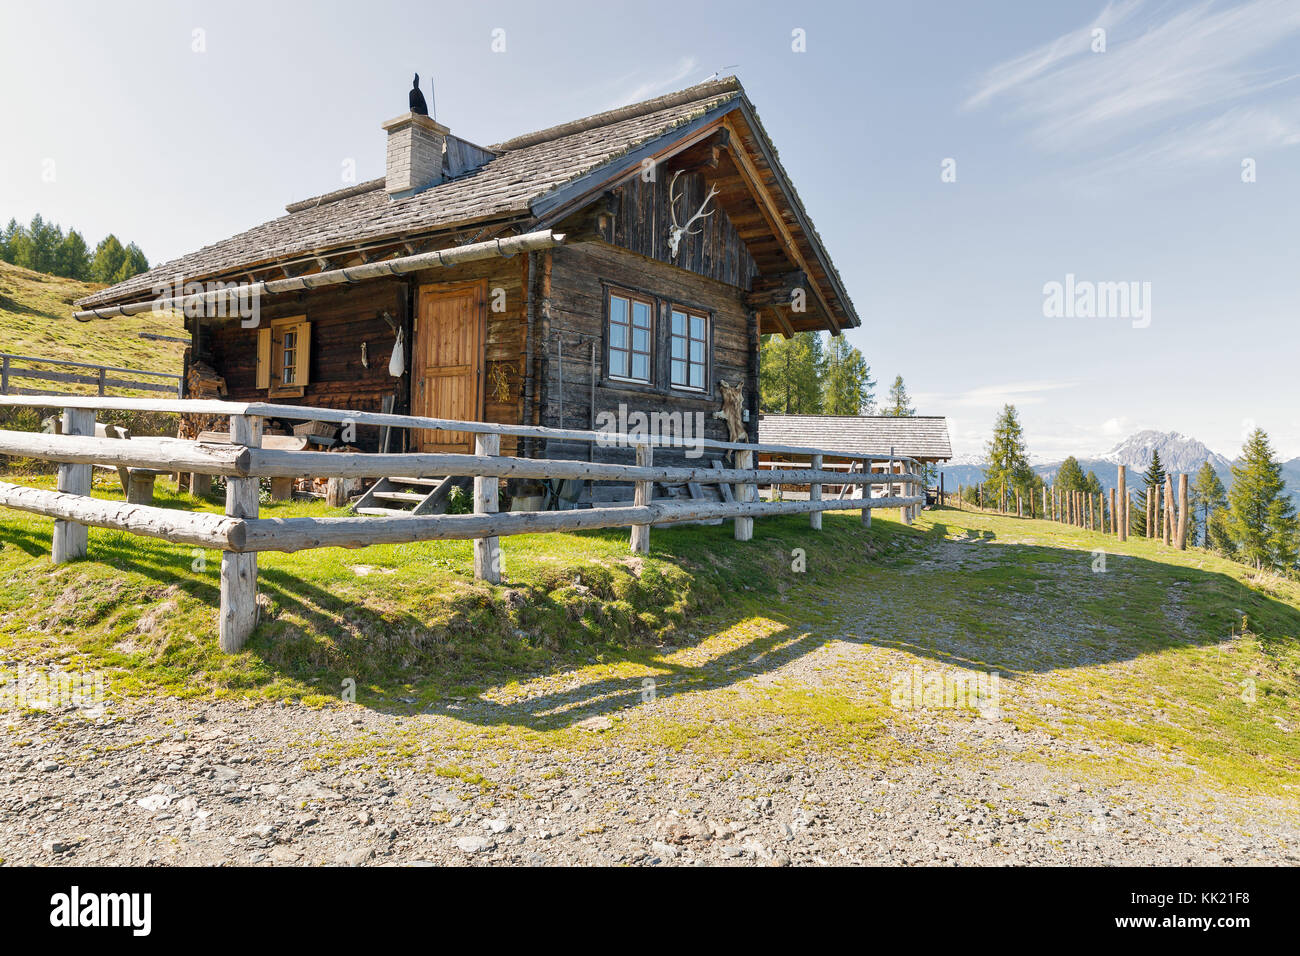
[36, 319]
[1143, 664]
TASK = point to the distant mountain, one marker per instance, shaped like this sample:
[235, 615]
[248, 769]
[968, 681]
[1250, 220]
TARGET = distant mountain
[1178, 453]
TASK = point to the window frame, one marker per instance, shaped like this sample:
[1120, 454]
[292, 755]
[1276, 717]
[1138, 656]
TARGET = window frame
[706, 342]
[300, 328]
[652, 307]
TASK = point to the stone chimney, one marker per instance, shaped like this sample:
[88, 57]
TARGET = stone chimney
[415, 145]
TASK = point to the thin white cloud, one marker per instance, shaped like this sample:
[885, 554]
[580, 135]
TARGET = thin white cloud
[647, 88]
[1174, 70]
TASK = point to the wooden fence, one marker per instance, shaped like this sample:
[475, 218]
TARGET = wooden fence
[1109, 513]
[102, 377]
[239, 534]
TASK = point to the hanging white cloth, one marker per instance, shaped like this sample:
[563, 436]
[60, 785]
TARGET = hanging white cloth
[397, 364]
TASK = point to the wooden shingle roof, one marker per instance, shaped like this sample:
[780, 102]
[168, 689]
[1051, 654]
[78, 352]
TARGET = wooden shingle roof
[530, 182]
[507, 187]
[917, 436]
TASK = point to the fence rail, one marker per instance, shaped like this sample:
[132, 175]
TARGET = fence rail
[11, 368]
[241, 533]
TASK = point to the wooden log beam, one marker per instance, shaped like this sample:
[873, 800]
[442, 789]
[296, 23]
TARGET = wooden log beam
[182, 527]
[775, 289]
[753, 181]
[297, 534]
[269, 463]
[238, 614]
[70, 538]
[158, 454]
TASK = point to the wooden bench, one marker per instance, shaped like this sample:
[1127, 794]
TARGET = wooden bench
[137, 483]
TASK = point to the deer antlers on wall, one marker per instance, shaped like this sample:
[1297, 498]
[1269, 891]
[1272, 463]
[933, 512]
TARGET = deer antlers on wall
[684, 229]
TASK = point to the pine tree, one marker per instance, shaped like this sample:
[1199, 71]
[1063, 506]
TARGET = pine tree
[898, 405]
[108, 260]
[1261, 519]
[72, 258]
[1154, 475]
[7, 238]
[847, 386]
[1208, 497]
[1008, 462]
[1069, 477]
[790, 373]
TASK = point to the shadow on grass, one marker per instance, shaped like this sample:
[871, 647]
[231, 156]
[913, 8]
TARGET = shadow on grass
[975, 603]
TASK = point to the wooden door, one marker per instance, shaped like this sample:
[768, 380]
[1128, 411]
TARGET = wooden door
[447, 364]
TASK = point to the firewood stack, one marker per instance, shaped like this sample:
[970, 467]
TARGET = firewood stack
[203, 382]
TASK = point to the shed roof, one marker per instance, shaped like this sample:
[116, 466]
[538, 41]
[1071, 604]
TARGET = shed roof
[530, 178]
[923, 437]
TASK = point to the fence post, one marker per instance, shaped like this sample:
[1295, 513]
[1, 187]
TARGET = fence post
[641, 498]
[1182, 512]
[4, 375]
[1121, 515]
[487, 551]
[744, 494]
[815, 494]
[70, 538]
[103, 374]
[865, 491]
[239, 571]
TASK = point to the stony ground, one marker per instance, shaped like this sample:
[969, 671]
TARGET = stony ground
[144, 781]
[169, 782]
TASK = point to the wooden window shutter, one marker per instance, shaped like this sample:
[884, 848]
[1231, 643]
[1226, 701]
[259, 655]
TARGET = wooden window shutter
[264, 358]
[303, 356]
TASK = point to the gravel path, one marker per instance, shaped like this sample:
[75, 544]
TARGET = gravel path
[166, 781]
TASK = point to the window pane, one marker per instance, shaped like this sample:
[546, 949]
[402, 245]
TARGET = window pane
[697, 327]
[679, 348]
[617, 309]
[679, 323]
[618, 363]
[679, 372]
[640, 367]
[697, 352]
[697, 376]
[641, 340]
[641, 314]
[618, 336]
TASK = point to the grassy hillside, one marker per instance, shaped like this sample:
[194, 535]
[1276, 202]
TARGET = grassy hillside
[1170, 666]
[36, 319]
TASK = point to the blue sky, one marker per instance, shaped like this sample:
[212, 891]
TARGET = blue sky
[1115, 165]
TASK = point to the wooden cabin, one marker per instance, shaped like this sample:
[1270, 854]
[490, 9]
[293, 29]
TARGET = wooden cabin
[922, 438]
[626, 312]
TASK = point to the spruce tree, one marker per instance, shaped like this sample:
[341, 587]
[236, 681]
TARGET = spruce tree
[1069, 477]
[790, 373]
[108, 259]
[899, 405]
[1261, 518]
[1008, 468]
[1206, 498]
[847, 386]
[1154, 475]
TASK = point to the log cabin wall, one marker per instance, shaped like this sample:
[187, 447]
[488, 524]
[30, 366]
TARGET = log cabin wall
[642, 221]
[575, 314]
[342, 317]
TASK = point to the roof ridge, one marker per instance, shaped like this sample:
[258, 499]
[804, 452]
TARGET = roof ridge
[324, 199]
[709, 88]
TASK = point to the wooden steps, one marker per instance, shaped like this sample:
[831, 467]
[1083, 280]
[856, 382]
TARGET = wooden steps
[396, 496]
